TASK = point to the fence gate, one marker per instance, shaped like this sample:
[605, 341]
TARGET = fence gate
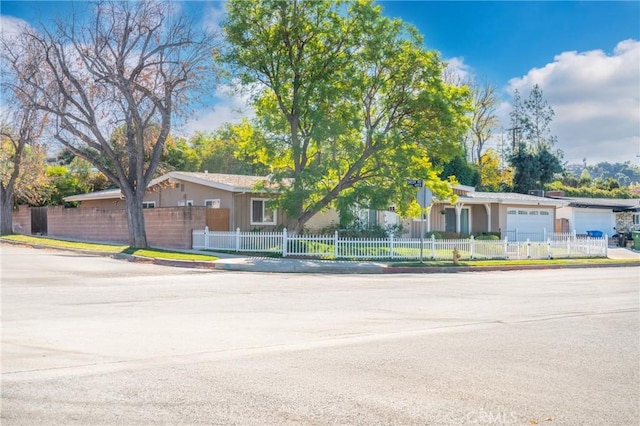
[38, 221]
[218, 220]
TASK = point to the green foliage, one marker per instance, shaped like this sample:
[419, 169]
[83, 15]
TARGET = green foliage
[179, 155]
[533, 168]
[464, 172]
[589, 191]
[349, 102]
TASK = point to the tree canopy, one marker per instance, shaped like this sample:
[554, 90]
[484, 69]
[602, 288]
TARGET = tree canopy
[123, 70]
[349, 101]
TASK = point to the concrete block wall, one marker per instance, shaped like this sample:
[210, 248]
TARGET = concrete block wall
[166, 227]
[21, 219]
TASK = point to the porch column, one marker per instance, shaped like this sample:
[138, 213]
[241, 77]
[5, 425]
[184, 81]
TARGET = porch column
[488, 209]
[458, 212]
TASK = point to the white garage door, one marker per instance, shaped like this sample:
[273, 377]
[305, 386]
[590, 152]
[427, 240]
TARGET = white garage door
[593, 220]
[529, 223]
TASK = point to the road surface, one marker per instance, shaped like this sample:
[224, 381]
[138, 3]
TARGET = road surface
[91, 340]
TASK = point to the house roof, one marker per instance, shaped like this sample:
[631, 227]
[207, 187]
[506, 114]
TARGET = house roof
[510, 198]
[107, 194]
[618, 204]
[226, 182]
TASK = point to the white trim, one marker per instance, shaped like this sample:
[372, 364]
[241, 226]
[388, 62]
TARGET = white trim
[264, 208]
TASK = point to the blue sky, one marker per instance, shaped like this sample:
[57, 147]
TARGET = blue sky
[585, 55]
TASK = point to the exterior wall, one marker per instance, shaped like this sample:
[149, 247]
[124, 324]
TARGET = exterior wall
[322, 220]
[170, 227]
[624, 221]
[113, 204]
[241, 214]
[171, 195]
[21, 220]
[479, 218]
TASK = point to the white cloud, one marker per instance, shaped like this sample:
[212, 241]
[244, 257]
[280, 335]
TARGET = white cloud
[229, 107]
[213, 16]
[457, 70]
[596, 99]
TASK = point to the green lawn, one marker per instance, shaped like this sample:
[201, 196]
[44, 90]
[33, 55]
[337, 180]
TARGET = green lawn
[150, 253]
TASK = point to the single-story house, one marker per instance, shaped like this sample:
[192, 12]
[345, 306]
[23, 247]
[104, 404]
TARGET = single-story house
[234, 200]
[512, 215]
[236, 203]
[607, 215]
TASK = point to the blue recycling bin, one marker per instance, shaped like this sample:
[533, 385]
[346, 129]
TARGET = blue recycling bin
[595, 234]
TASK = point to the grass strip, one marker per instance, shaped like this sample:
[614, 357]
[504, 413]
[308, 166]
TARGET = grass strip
[109, 248]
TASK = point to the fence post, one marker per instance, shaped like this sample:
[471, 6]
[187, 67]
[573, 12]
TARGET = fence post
[575, 235]
[206, 238]
[237, 239]
[335, 244]
[391, 246]
[284, 242]
[549, 248]
[506, 247]
[528, 249]
[606, 245]
[473, 247]
[569, 247]
[433, 247]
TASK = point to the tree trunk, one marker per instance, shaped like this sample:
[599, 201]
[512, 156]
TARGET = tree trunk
[6, 211]
[135, 220]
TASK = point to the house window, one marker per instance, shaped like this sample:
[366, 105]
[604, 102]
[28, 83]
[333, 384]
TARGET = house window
[213, 203]
[544, 213]
[148, 204]
[636, 218]
[185, 203]
[260, 214]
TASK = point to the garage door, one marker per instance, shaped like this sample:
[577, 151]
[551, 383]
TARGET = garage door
[529, 223]
[592, 220]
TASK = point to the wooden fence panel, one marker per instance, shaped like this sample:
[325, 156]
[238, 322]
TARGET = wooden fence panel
[218, 220]
[38, 221]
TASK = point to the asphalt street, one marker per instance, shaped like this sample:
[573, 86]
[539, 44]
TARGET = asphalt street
[92, 340]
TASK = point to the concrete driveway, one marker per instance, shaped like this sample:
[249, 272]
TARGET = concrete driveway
[89, 340]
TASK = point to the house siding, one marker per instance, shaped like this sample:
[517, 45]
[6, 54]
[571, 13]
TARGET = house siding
[171, 195]
[241, 213]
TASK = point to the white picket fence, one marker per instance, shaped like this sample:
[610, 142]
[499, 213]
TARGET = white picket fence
[333, 247]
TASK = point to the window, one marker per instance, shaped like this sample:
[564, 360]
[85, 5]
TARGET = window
[213, 203]
[533, 212]
[636, 218]
[511, 212]
[148, 204]
[185, 203]
[544, 213]
[522, 212]
[260, 214]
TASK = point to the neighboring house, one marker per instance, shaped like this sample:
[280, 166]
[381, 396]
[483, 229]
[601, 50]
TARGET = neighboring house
[515, 216]
[607, 215]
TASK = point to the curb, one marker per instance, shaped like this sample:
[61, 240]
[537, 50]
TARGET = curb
[279, 266]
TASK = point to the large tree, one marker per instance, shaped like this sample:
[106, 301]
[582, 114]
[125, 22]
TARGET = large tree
[21, 126]
[123, 65]
[350, 102]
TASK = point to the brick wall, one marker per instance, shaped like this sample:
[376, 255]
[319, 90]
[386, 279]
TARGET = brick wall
[166, 227]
